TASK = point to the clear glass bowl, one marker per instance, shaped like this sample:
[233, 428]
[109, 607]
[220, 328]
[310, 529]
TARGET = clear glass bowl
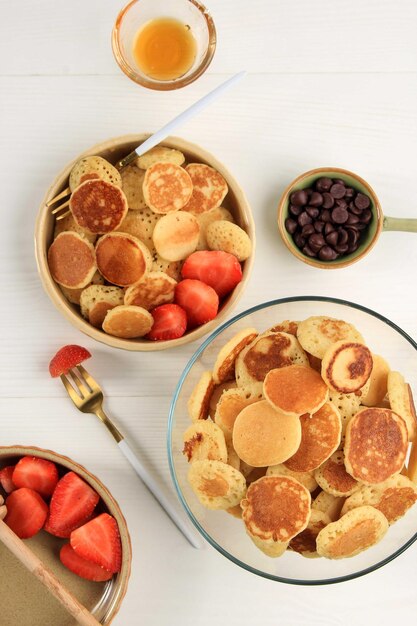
[226, 533]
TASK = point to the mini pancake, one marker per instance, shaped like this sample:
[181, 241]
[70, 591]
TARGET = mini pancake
[348, 404]
[140, 224]
[122, 259]
[305, 478]
[97, 206]
[93, 167]
[166, 187]
[228, 408]
[401, 401]
[329, 504]
[199, 400]
[71, 260]
[377, 382]
[160, 154]
[266, 352]
[346, 366]
[305, 542]
[320, 437]
[175, 236]
[127, 322]
[154, 289]
[224, 366]
[295, 390]
[74, 295]
[287, 326]
[316, 334]
[216, 484]
[204, 441]
[333, 477]
[132, 185]
[204, 219]
[216, 395]
[69, 223]
[393, 497]
[270, 547]
[262, 436]
[376, 445]
[209, 188]
[356, 531]
[172, 268]
[276, 507]
[232, 457]
[229, 237]
[96, 300]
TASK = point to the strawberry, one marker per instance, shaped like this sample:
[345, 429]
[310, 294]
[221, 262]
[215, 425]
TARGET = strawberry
[199, 300]
[26, 512]
[6, 480]
[99, 541]
[37, 474]
[66, 358]
[82, 567]
[218, 269]
[72, 503]
[169, 322]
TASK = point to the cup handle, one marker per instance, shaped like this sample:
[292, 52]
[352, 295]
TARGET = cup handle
[400, 223]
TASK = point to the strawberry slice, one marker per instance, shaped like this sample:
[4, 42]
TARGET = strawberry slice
[66, 358]
[82, 567]
[6, 480]
[37, 474]
[99, 541]
[218, 269]
[26, 512]
[169, 322]
[199, 301]
[72, 503]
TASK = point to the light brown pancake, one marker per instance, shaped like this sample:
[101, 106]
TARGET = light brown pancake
[276, 507]
[69, 223]
[295, 390]
[287, 326]
[209, 188]
[132, 182]
[377, 382]
[305, 542]
[333, 477]
[305, 478]
[74, 295]
[71, 260]
[346, 366]
[320, 437]
[205, 219]
[232, 457]
[199, 400]
[172, 268]
[93, 167]
[154, 289]
[96, 300]
[270, 547]
[216, 484]
[317, 333]
[229, 237]
[97, 206]
[160, 154]
[167, 187]
[122, 259]
[141, 225]
[216, 395]
[127, 322]
[175, 235]
[329, 504]
[376, 445]
[224, 366]
[401, 401]
[203, 440]
[262, 436]
[230, 404]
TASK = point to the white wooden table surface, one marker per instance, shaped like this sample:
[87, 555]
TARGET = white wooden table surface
[330, 83]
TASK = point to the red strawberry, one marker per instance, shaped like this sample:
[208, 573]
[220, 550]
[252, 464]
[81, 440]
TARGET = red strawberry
[66, 358]
[6, 480]
[169, 322]
[26, 512]
[218, 269]
[199, 300]
[37, 474]
[72, 503]
[82, 567]
[99, 541]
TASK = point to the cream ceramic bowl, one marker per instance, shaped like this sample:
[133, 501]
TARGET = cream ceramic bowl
[114, 150]
[24, 599]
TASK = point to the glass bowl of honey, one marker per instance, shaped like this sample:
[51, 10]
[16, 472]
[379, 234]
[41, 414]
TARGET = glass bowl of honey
[164, 45]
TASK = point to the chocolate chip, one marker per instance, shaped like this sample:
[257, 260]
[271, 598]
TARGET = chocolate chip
[299, 198]
[362, 201]
[319, 226]
[353, 237]
[304, 219]
[291, 225]
[342, 238]
[332, 238]
[366, 216]
[339, 215]
[328, 228]
[308, 251]
[299, 240]
[337, 190]
[323, 184]
[316, 199]
[361, 226]
[354, 209]
[342, 204]
[326, 253]
[339, 181]
[328, 200]
[350, 192]
[307, 230]
[295, 210]
[352, 248]
[341, 249]
[312, 211]
[316, 242]
[352, 219]
[309, 191]
[325, 216]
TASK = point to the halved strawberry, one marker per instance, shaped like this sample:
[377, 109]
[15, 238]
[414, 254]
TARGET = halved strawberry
[37, 474]
[99, 541]
[72, 503]
[199, 301]
[66, 358]
[169, 322]
[6, 480]
[82, 567]
[218, 269]
[26, 512]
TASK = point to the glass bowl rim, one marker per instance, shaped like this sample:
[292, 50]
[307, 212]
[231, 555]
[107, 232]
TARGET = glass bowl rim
[197, 353]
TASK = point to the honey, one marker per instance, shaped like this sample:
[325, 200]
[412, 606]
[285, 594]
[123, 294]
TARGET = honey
[164, 49]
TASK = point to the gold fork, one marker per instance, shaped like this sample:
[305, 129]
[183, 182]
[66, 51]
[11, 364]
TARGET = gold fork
[88, 398]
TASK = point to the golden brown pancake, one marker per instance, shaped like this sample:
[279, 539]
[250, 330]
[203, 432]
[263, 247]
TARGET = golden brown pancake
[216, 484]
[69, 223]
[377, 382]
[127, 322]
[320, 437]
[122, 259]
[159, 154]
[317, 333]
[140, 224]
[287, 326]
[132, 182]
[203, 440]
[376, 445]
[175, 235]
[93, 167]
[276, 507]
[346, 366]
[401, 401]
[329, 504]
[228, 408]
[167, 187]
[199, 400]
[216, 395]
[209, 188]
[295, 390]
[98, 206]
[224, 367]
[96, 300]
[305, 478]
[305, 542]
[154, 289]
[333, 477]
[172, 268]
[71, 260]
[262, 436]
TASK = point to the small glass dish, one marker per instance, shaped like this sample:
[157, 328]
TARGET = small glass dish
[226, 533]
[139, 12]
